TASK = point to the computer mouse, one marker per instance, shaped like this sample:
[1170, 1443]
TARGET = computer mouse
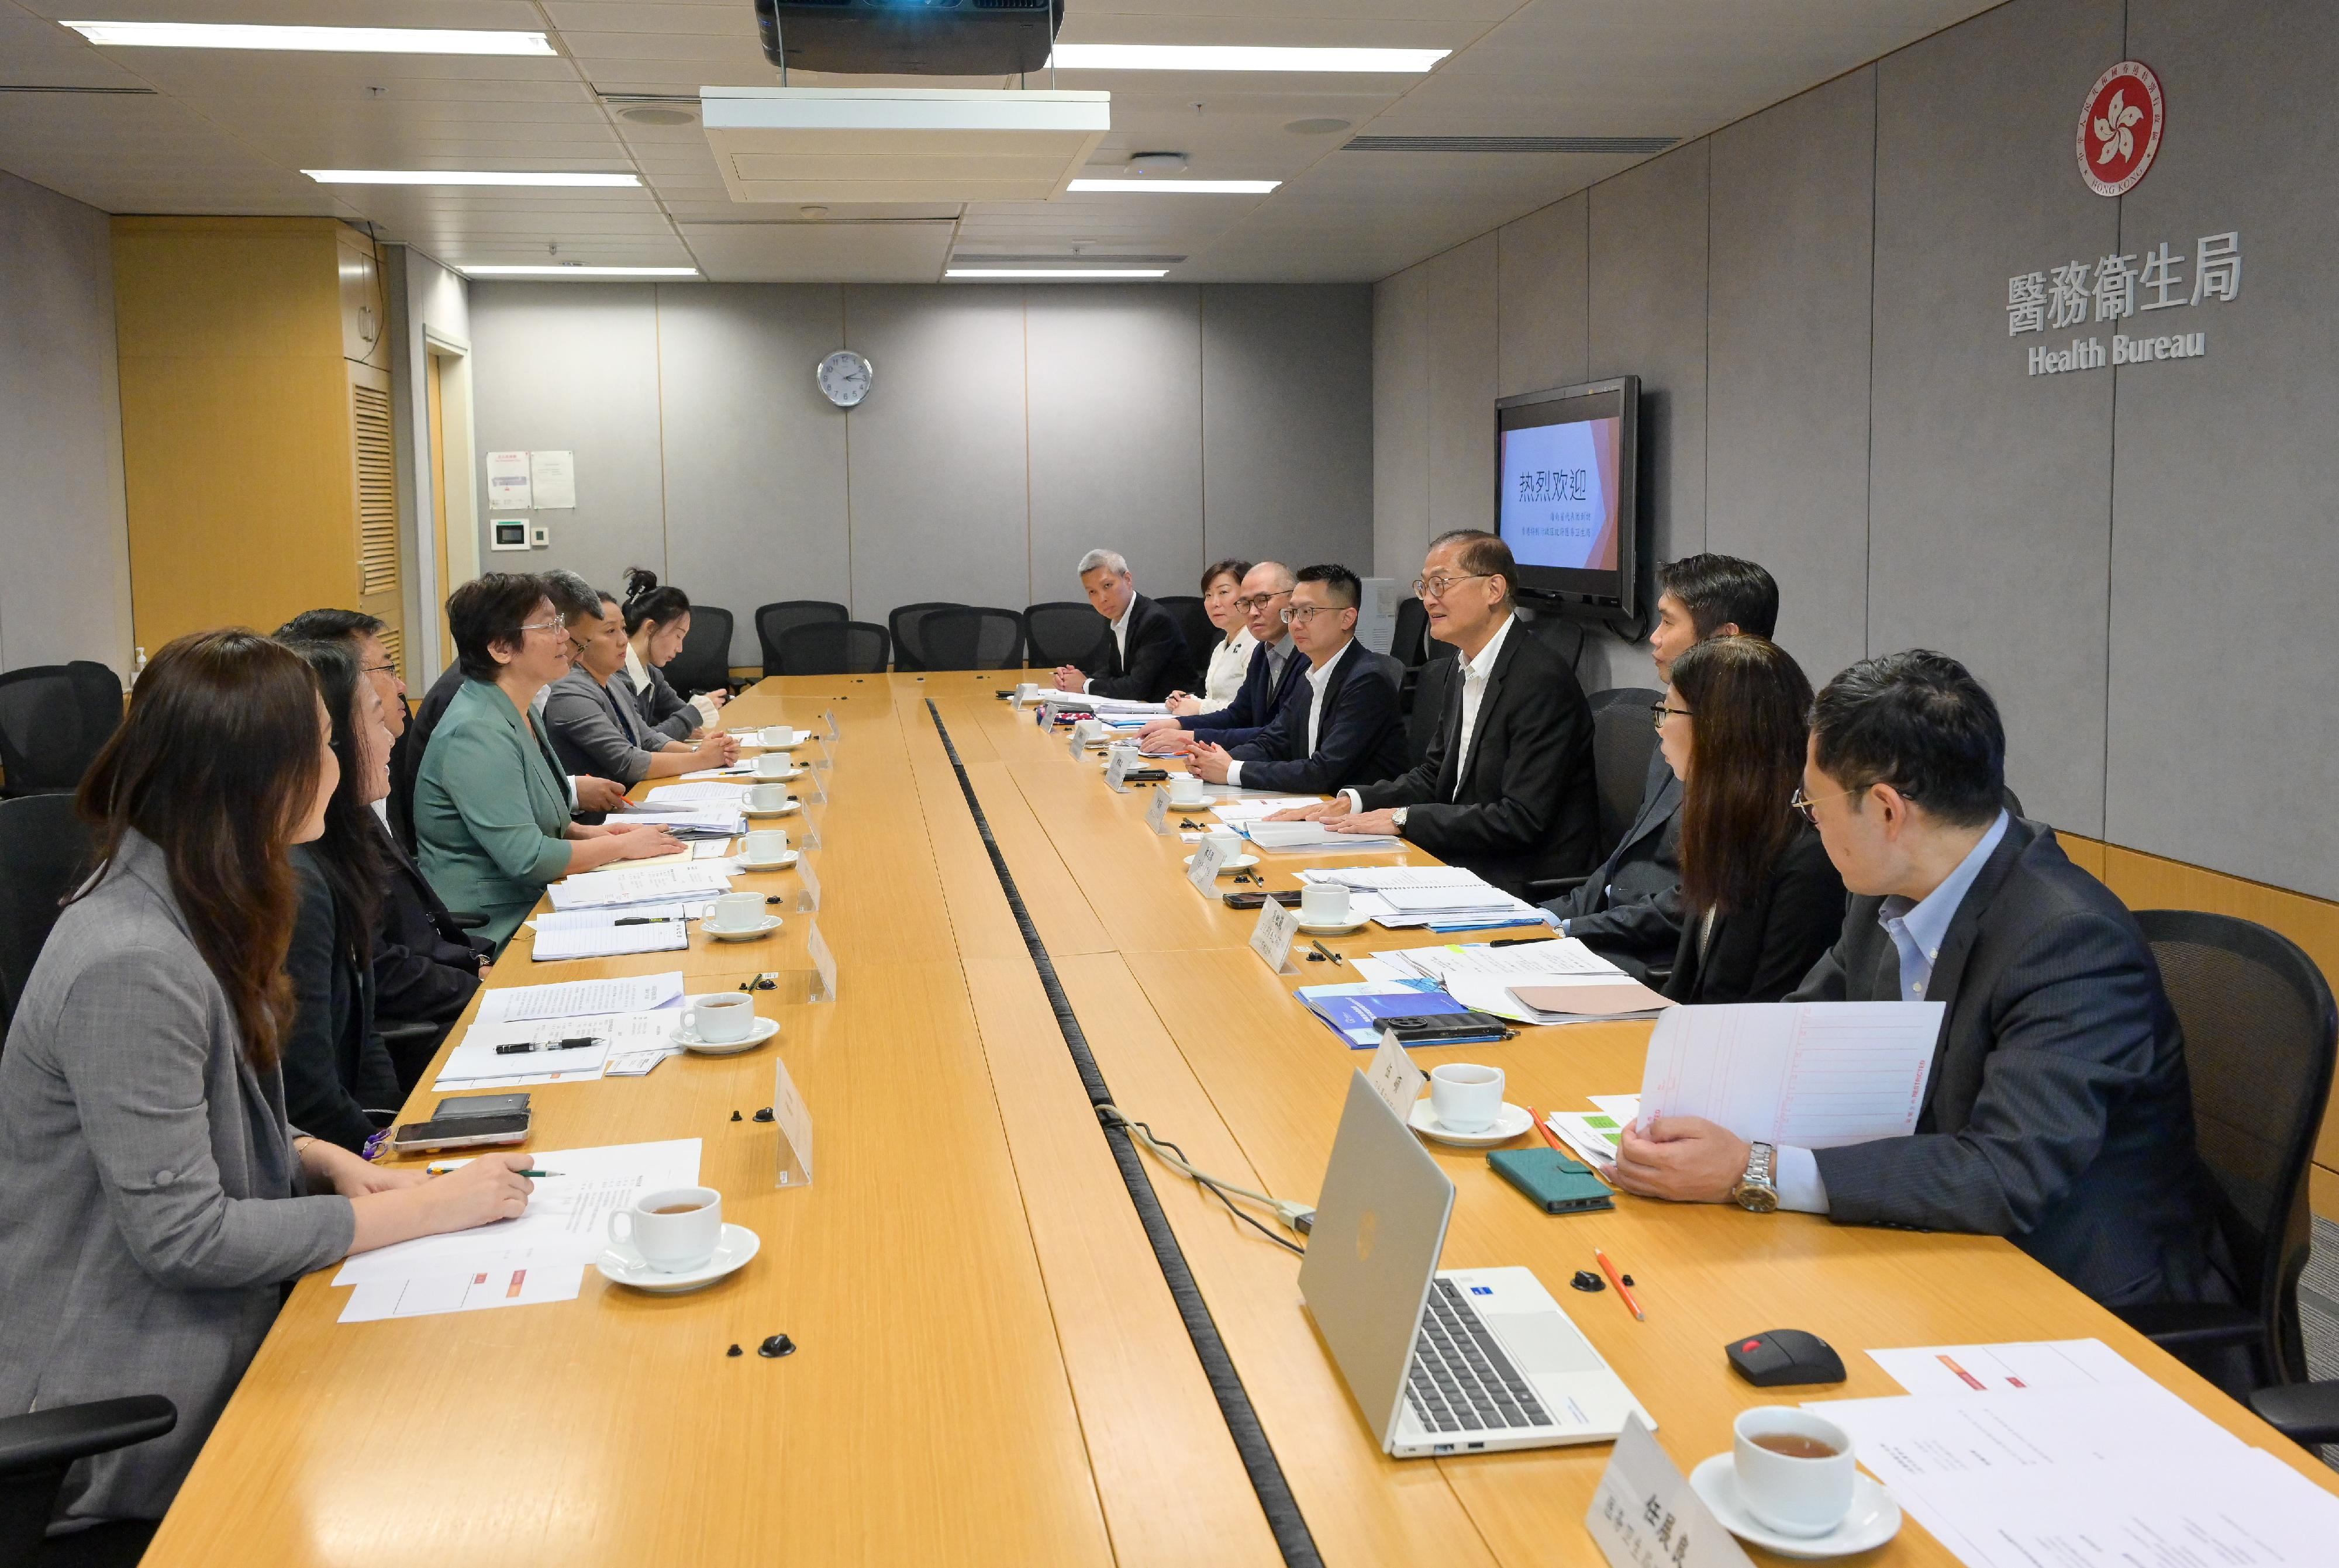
[1779, 1357]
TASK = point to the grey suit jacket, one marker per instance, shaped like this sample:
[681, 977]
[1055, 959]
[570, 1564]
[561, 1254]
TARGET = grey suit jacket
[1629, 909]
[2057, 1114]
[666, 710]
[597, 731]
[150, 1203]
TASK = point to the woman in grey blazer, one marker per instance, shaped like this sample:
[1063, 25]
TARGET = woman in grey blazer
[154, 1201]
[597, 727]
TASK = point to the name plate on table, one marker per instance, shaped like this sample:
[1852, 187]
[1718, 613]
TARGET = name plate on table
[823, 962]
[828, 717]
[827, 759]
[1204, 871]
[1395, 1079]
[807, 886]
[1116, 769]
[794, 1121]
[1271, 937]
[1644, 1514]
[1157, 815]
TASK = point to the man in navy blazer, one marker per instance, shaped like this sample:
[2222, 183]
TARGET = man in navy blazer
[1276, 671]
[1142, 655]
[1342, 726]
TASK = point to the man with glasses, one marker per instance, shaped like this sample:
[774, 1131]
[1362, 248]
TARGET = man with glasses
[1629, 907]
[1505, 788]
[1342, 727]
[1277, 673]
[1143, 656]
[2057, 1114]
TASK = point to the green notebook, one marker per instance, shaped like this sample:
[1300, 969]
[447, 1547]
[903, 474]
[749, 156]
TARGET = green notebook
[1556, 1183]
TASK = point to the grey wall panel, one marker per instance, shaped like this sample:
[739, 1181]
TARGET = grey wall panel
[1541, 294]
[1787, 395]
[64, 531]
[573, 366]
[755, 455]
[1990, 518]
[1116, 449]
[1287, 419]
[939, 473]
[1461, 389]
[1400, 421]
[2224, 722]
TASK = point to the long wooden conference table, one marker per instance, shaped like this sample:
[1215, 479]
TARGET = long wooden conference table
[990, 1367]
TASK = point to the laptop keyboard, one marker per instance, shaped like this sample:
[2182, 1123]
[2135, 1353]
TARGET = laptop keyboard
[1460, 1380]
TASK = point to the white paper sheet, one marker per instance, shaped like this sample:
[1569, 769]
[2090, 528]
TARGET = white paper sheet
[508, 482]
[579, 997]
[480, 1290]
[2020, 1367]
[648, 884]
[611, 941]
[1530, 963]
[604, 915]
[1251, 808]
[1813, 1074]
[711, 849]
[701, 792]
[552, 478]
[712, 817]
[1281, 837]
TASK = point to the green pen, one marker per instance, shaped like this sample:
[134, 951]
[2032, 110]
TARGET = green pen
[448, 1167]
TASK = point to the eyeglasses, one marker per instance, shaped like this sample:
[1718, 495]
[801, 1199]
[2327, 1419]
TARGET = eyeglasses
[1439, 587]
[1297, 614]
[543, 627]
[379, 669]
[1259, 601]
[1804, 803]
[1657, 711]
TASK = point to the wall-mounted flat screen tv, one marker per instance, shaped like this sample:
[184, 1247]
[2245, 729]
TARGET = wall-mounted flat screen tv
[1567, 500]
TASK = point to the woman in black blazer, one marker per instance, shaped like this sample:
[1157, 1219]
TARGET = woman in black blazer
[1761, 901]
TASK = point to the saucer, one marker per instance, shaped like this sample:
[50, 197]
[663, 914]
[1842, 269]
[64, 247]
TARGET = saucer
[787, 858]
[1336, 928]
[764, 927]
[764, 1028]
[621, 1265]
[794, 804]
[758, 740]
[1509, 1122]
[793, 772]
[1874, 1518]
[1240, 863]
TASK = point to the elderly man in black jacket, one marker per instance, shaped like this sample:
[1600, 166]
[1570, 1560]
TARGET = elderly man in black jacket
[1143, 655]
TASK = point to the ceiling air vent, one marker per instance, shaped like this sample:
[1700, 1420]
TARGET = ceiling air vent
[1509, 143]
[822, 144]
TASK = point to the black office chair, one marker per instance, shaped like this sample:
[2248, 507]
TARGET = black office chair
[44, 853]
[704, 664]
[1202, 638]
[2260, 1034]
[53, 719]
[772, 621]
[1412, 632]
[976, 638]
[906, 624]
[37, 1449]
[835, 648]
[1063, 632]
[1624, 739]
[1432, 685]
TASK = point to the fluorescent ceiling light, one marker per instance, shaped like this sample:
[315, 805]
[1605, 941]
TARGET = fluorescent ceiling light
[1240, 57]
[463, 177]
[1185, 187]
[1056, 273]
[332, 40]
[557, 271]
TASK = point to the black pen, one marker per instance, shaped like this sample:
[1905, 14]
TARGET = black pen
[645, 920]
[524, 1048]
[1519, 940]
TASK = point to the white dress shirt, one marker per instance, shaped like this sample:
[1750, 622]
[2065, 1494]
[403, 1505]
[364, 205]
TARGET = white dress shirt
[1230, 663]
[1119, 638]
[1317, 679]
[1476, 672]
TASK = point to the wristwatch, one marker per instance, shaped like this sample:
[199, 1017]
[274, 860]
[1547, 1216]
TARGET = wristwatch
[1397, 816]
[1758, 1190]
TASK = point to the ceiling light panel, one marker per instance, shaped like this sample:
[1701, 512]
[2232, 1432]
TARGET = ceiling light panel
[1175, 187]
[476, 270]
[465, 177]
[312, 40]
[1058, 273]
[1243, 57]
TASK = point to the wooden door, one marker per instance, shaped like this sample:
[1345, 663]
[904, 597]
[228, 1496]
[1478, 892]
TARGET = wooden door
[435, 395]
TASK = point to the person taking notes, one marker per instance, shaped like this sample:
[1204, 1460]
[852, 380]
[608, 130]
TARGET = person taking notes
[1342, 726]
[2058, 1114]
[1276, 671]
[597, 729]
[1142, 656]
[658, 622]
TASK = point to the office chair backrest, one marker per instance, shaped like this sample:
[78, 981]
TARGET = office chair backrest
[976, 638]
[2260, 1033]
[1412, 631]
[774, 619]
[53, 720]
[1202, 638]
[44, 853]
[1063, 632]
[907, 624]
[1623, 740]
[1433, 685]
[39, 1446]
[704, 664]
[835, 648]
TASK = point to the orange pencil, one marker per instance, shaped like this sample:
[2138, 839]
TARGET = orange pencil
[1623, 1290]
[1547, 1132]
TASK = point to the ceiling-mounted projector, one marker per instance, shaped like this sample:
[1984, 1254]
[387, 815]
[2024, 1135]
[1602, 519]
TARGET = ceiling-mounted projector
[837, 145]
[910, 37]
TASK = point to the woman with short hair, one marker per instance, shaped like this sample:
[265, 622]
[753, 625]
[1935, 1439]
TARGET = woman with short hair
[1231, 658]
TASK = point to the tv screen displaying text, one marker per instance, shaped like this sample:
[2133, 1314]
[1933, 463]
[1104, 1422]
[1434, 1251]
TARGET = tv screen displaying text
[1559, 494]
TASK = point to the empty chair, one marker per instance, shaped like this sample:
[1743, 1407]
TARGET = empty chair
[906, 624]
[1202, 638]
[772, 621]
[1063, 632]
[37, 1450]
[44, 853]
[53, 719]
[835, 648]
[976, 638]
[705, 662]
[1412, 632]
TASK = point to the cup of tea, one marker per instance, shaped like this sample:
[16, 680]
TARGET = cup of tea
[766, 846]
[1794, 1469]
[720, 1017]
[1025, 691]
[1465, 1097]
[773, 765]
[1188, 789]
[674, 1230]
[767, 797]
[736, 910]
[1324, 903]
[776, 735]
[1089, 731]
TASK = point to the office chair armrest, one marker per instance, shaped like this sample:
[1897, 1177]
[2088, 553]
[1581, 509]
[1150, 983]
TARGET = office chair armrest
[465, 920]
[2305, 1413]
[1552, 887]
[52, 1439]
[399, 1031]
[2182, 1325]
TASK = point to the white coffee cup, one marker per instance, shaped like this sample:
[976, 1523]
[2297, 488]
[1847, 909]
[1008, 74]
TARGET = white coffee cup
[776, 735]
[1465, 1097]
[1188, 789]
[766, 846]
[679, 1239]
[1026, 690]
[1226, 842]
[1089, 730]
[1801, 1494]
[736, 910]
[773, 765]
[1324, 903]
[720, 1017]
[766, 796]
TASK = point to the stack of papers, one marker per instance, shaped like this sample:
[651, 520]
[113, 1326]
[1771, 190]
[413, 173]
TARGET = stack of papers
[618, 1014]
[1251, 808]
[610, 939]
[1401, 897]
[1353, 1011]
[1815, 1074]
[642, 884]
[1595, 1134]
[1278, 837]
[1556, 982]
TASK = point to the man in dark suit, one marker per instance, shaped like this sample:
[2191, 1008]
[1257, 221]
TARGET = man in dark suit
[1505, 789]
[1142, 656]
[1629, 909]
[1343, 728]
[2058, 1114]
[1277, 672]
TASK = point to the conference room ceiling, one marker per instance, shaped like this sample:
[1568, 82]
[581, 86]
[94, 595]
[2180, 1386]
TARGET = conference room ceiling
[203, 130]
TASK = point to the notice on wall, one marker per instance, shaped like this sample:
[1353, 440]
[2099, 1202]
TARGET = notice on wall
[508, 489]
[553, 476]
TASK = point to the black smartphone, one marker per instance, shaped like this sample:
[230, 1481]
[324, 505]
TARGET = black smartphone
[1446, 1028]
[458, 1133]
[1145, 776]
[1289, 898]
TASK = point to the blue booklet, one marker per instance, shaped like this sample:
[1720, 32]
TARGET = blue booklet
[1353, 1011]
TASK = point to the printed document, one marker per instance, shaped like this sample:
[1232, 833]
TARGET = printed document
[647, 885]
[579, 997]
[1813, 1074]
[609, 940]
[2018, 1366]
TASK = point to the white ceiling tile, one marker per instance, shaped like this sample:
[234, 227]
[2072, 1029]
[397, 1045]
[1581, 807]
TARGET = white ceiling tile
[894, 252]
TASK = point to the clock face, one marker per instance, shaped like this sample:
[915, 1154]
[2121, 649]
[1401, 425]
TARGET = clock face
[844, 376]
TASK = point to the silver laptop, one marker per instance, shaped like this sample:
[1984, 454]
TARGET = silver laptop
[1452, 1361]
